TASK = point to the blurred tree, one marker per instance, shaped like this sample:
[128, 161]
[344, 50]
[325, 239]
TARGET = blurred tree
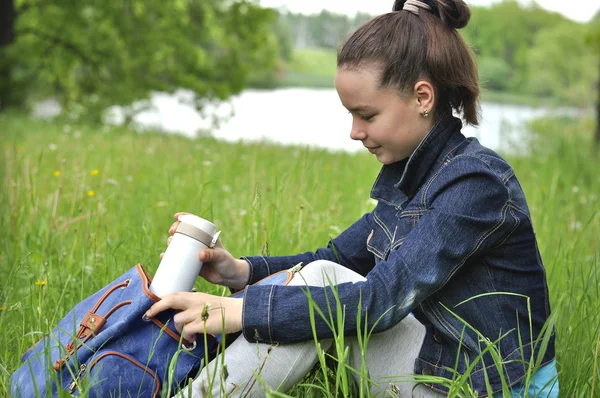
[90, 55]
[505, 31]
[265, 77]
[594, 40]
[561, 65]
[324, 30]
[494, 73]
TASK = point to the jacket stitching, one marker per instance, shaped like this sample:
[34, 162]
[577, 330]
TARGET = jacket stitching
[451, 329]
[517, 223]
[491, 366]
[375, 251]
[382, 225]
[481, 239]
[243, 312]
[398, 243]
[267, 264]
[415, 212]
[508, 175]
[539, 262]
[269, 314]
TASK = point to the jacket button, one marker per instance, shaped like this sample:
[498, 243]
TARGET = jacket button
[437, 338]
[427, 371]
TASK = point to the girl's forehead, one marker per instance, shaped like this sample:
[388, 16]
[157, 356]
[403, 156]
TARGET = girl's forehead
[357, 81]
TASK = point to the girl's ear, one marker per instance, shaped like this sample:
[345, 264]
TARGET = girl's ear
[425, 95]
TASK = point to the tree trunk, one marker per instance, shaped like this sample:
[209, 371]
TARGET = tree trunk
[7, 22]
[7, 35]
[598, 114]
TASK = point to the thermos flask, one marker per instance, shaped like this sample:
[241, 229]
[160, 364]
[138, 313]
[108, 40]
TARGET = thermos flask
[181, 263]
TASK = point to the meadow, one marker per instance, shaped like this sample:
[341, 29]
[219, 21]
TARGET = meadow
[80, 205]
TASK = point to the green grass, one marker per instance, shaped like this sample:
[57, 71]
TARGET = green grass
[67, 230]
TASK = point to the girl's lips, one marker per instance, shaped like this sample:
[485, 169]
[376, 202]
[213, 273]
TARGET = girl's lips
[373, 149]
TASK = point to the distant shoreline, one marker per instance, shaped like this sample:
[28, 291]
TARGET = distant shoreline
[308, 80]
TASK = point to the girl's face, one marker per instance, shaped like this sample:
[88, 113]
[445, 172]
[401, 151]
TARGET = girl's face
[389, 126]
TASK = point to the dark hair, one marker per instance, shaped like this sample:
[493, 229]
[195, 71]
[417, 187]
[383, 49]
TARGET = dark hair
[426, 46]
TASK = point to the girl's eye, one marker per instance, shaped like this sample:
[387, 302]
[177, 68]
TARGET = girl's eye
[366, 118]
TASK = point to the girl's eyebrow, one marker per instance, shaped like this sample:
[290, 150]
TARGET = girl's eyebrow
[361, 109]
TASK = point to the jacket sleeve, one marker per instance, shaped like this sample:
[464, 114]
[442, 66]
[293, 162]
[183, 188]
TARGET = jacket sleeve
[467, 213]
[348, 249]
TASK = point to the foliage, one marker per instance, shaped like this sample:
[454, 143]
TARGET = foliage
[520, 48]
[568, 64]
[90, 56]
[494, 73]
[325, 30]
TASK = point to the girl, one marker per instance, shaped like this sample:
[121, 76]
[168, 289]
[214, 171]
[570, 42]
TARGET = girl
[446, 261]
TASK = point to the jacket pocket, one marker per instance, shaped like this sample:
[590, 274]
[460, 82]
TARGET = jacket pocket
[112, 373]
[380, 239]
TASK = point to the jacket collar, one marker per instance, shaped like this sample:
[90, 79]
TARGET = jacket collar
[399, 181]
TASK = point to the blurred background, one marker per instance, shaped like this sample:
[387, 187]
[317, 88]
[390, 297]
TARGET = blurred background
[264, 70]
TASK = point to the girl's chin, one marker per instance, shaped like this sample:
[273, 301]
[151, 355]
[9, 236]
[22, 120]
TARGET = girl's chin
[387, 159]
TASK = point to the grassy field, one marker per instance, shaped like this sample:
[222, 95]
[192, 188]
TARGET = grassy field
[81, 205]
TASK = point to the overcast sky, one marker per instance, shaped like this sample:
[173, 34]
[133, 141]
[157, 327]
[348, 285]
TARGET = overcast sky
[579, 10]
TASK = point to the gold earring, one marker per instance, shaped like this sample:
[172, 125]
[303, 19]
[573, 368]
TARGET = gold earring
[425, 113]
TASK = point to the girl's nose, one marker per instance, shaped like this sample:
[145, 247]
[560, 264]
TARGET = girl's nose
[357, 132]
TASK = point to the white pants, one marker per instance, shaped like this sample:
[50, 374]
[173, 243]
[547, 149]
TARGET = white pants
[251, 366]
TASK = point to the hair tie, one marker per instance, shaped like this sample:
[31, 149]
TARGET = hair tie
[414, 5]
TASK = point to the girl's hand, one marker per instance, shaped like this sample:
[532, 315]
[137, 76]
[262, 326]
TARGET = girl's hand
[201, 312]
[219, 266]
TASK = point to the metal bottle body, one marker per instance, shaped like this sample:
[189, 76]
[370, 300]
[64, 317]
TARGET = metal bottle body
[181, 263]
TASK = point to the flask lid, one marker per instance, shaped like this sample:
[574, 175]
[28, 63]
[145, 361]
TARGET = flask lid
[199, 229]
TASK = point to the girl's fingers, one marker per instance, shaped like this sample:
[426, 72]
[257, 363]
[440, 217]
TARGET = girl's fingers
[169, 239]
[178, 301]
[186, 325]
[162, 255]
[181, 319]
[181, 213]
[211, 255]
[173, 227]
[189, 331]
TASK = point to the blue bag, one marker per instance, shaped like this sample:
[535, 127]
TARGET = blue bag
[104, 347]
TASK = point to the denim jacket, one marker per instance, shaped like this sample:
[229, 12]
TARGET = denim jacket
[450, 240]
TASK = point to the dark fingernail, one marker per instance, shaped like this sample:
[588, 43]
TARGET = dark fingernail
[145, 318]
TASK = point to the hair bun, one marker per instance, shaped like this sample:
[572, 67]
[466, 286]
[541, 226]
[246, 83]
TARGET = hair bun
[455, 14]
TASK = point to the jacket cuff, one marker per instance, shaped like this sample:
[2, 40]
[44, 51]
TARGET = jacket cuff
[259, 268]
[256, 314]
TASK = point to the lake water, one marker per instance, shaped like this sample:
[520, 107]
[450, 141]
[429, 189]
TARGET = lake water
[306, 117]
